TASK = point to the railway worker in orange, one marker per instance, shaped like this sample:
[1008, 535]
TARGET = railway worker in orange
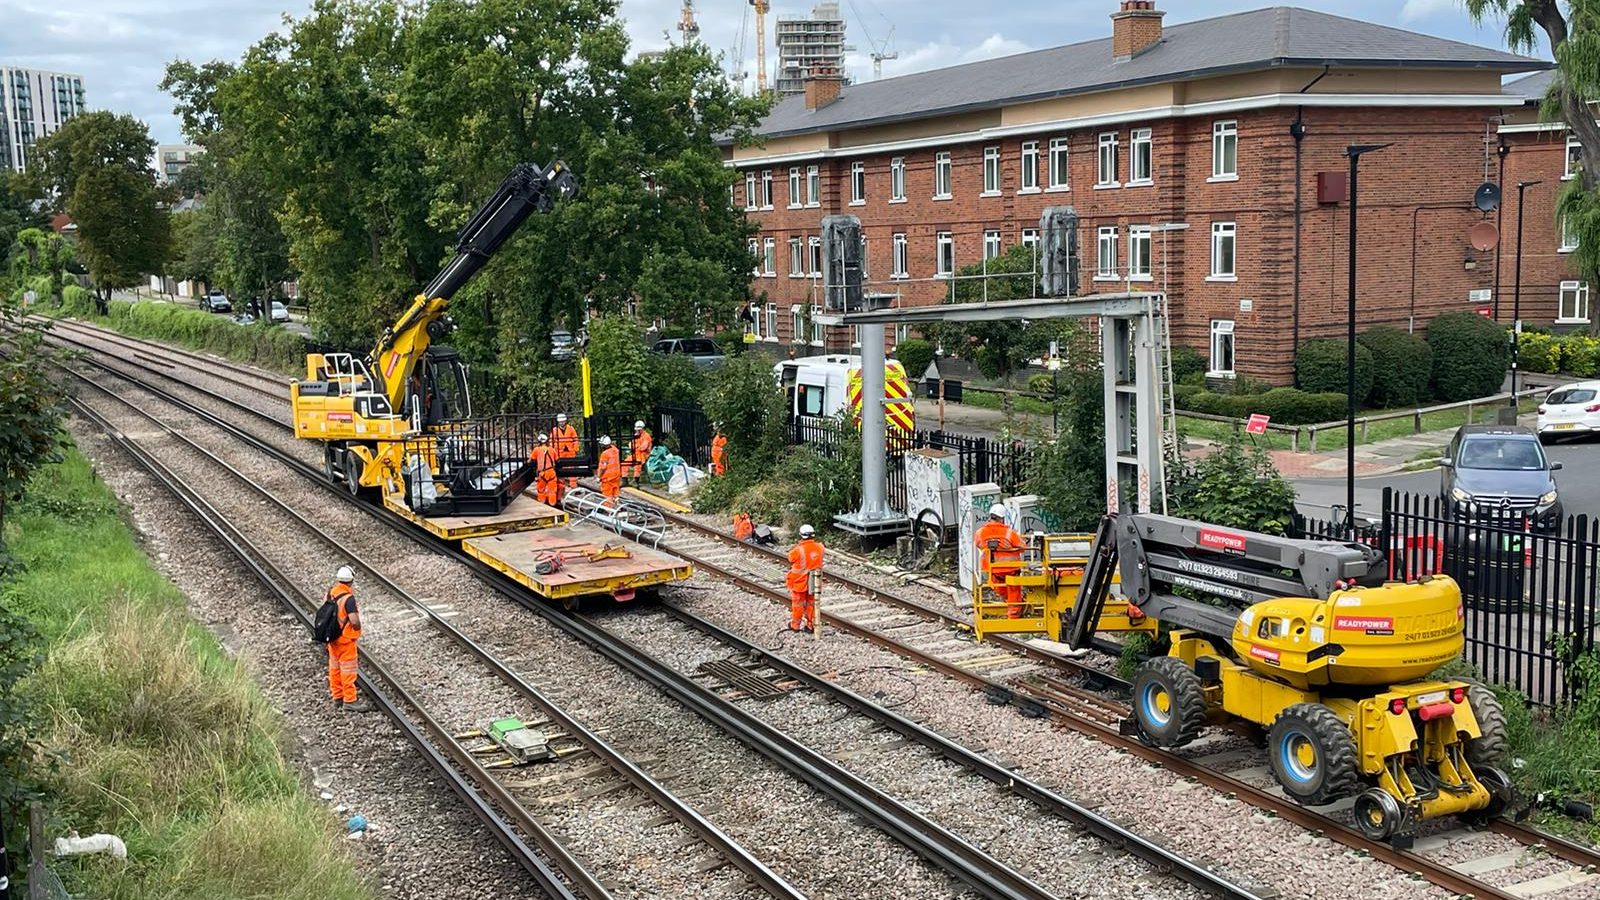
[565, 439]
[719, 454]
[1000, 551]
[609, 471]
[805, 567]
[342, 650]
[638, 452]
[743, 527]
[546, 487]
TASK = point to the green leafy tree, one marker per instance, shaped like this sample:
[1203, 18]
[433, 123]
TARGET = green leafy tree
[40, 252]
[1069, 472]
[999, 348]
[746, 404]
[1235, 486]
[16, 216]
[620, 370]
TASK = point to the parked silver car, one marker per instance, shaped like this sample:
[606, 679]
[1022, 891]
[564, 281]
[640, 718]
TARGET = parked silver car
[702, 350]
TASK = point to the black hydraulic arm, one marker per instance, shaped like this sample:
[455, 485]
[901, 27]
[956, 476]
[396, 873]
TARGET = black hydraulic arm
[527, 190]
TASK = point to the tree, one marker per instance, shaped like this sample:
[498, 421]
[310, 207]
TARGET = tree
[39, 252]
[1233, 486]
[747, 406]
[998, 348]
[1069, 472]
[1572, 28]
[16, 215]
[619, 365]
[97, 166]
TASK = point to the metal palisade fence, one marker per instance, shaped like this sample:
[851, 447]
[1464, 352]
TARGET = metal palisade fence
[1528, 593]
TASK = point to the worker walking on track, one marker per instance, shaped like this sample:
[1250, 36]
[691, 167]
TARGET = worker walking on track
[546, 487]
[638, 452]
[719, 454]
[342, 650]
[805, 569]
[609, 471]
[565, 439]
[1000, 551]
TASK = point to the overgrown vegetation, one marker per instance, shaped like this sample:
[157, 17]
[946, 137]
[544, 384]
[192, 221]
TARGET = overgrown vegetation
[1402, 367]
[277, 349]
[1069, 472]
[1234, 486]
[1322, 367]
[164, 739]
[916, 355]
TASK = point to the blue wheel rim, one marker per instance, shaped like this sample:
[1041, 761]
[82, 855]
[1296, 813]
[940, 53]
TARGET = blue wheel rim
[1150, 706]
[1289, 758]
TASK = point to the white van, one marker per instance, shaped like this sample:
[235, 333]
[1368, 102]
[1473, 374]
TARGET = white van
[818, 387]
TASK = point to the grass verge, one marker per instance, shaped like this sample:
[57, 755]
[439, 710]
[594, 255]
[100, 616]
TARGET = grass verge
[164, 740]
[1334, 438]
[266, 346]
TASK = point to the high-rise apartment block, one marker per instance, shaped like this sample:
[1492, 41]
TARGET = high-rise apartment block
[804, 45]
[34, 104]
[171, 159]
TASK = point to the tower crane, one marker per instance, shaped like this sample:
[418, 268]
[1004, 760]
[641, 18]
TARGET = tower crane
[761, 43]
[687, 24]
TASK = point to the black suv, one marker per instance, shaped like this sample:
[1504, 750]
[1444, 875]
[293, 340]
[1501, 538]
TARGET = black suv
[1497, 471]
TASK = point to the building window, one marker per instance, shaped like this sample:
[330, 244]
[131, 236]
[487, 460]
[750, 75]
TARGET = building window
[858, 182]
[991, 244]
[813, 185]
[1105, 172]
[769, 255]
[816, 326]
[897, 179]
[1139, 252]
[991, 170]
[794, 188]
[1030, 237]
[1030, 166]
[1106, 260]
[1225, 149]
[750, 190]
[1140, 156]
[1574, 302]
[1574, 158]
[797, 324]
[946, 255]
[1058, 164]
[772, 322]
[1223, 242]
[814, 255]
[1221, 347]
[941, 176]
[1569, 237]
[766, 188]
[899, 262]
[755, 257]
[797, 266]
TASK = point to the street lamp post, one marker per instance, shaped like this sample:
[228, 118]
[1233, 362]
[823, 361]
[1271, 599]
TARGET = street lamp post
[1354, 152]
[1516, 294]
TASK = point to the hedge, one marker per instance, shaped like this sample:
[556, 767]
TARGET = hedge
[1187, 363]
[1321, 367]
[1576, 354]
[273, 348]
[916, 355]
[1402, 366]
[1284, 405]
[1471, 355]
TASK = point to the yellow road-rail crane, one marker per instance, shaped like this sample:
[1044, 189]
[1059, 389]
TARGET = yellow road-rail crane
[1311, 643]
[372, 413]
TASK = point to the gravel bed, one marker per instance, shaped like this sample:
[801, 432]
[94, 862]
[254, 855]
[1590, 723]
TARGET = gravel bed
[192, 372]
[822, 849]
[1055, 854]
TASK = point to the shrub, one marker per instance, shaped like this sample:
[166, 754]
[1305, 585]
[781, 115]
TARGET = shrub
[1234, 487]
[730, 341]
[1580, 355]
[1183, 392]
[1539, 353]
[1470, 355]
[916, 355]
[1321, 367]
[1289, 406]
[77, 301]
[1402, 366]
[1187, 363]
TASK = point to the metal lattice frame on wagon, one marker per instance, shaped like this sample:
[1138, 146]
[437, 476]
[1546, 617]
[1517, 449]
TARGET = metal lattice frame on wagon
[1131, 337]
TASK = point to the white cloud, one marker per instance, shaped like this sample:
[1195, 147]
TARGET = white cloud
[1423, 9]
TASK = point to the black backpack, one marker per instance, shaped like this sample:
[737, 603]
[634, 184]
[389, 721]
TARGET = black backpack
[325, 626]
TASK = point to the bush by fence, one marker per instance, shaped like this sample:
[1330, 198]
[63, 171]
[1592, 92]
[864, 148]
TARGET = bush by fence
[1402, 365]
[1320, 367]
[1471, 355]
[273, 348]
[1286, 406]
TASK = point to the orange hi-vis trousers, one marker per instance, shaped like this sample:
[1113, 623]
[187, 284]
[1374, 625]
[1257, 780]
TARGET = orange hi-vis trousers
[802, 610]
[342, 670]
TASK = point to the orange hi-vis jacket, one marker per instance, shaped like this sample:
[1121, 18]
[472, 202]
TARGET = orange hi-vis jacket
[638, 452]
[1008, 545]
[609, 471]
[565, 439]
[719, 455]
[544, 459]
[805, 558]
[743, 527]
[342, 593]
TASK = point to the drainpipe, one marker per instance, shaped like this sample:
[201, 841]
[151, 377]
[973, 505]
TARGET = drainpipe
[1297, 130]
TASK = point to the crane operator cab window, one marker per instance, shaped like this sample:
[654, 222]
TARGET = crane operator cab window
[438, 390]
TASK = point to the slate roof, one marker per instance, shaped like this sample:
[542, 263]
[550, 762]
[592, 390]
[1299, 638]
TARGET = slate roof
[1531, 88]
[1259, 39]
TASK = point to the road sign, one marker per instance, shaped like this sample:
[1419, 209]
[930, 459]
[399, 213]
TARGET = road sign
[1486, 311]
[1257, 424]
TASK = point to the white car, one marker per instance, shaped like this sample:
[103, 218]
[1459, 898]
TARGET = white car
[277, 313]
[1570, 409]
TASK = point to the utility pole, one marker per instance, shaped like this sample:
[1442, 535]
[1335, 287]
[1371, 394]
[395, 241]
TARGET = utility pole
[1516, 295]
[1354, 152]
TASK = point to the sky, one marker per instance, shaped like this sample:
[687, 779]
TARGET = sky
[121, 47]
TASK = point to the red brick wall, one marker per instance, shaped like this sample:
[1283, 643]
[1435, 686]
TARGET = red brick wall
[1539, 156]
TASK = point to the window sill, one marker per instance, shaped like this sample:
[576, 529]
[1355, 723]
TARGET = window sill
[858, 203]
[902, 276]
[812, 205]
[1032, 190]
[1569, 177]
[1063, 189]
[767, 208]
[1108, 185]
[793, 206]
[1218, 179]
[1570, 322]
[942, 276]
[1141, 278]
[1106, 278]
[897, 199]
[989, 194]
[942, 197]
[1565, 249]
[1227, 374]
[1140, 182]
[1222, 278]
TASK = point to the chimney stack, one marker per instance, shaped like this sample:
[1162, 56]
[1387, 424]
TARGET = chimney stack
[823, 84]
[1134, 28]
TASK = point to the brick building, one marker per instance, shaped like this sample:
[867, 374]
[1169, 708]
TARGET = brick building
[1207, 123]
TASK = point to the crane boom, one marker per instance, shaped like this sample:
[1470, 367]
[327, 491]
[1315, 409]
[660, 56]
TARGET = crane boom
[761, 44]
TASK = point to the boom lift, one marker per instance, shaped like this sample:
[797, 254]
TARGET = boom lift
[373, 414]
[1312, 643]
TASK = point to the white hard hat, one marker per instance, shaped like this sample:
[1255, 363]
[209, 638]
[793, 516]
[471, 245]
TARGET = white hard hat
[605, 440]
[561, 418]
[997, 512]
[345, 574]
[807, 531]
[638, 424]
[544, 438]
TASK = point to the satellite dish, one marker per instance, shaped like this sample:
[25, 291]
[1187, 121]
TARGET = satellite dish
[1487, 196]
[1483, 236]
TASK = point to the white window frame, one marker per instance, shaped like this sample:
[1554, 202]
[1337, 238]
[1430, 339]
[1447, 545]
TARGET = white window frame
[750, 190]
[942, 242]
[816, 326]
[1028, 181]
[755, 257]
[1567, 238]
[1224, 134]
[797, 260]
[1222, 333]
[1141, 156]
[772, 322]
[1579, 291]
[942, 175]
[991, 243]
[858, 183]
[1139, 237]
[755, 321]
[1574, 154]
[769, 254]
[813, 186]
[898, 260]
[1058, 159]
[1105, 160]
[797, 323]
[1030, 237]
[794, 187]
[766, 188]
[991, 172]
[897, 180]
[814, 256]
[1224, 233]
[1105, 257]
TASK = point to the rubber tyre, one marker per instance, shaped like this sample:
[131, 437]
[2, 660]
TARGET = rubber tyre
[1169, 702]
[1489, 748]
[1312, 754]
[352, 473]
